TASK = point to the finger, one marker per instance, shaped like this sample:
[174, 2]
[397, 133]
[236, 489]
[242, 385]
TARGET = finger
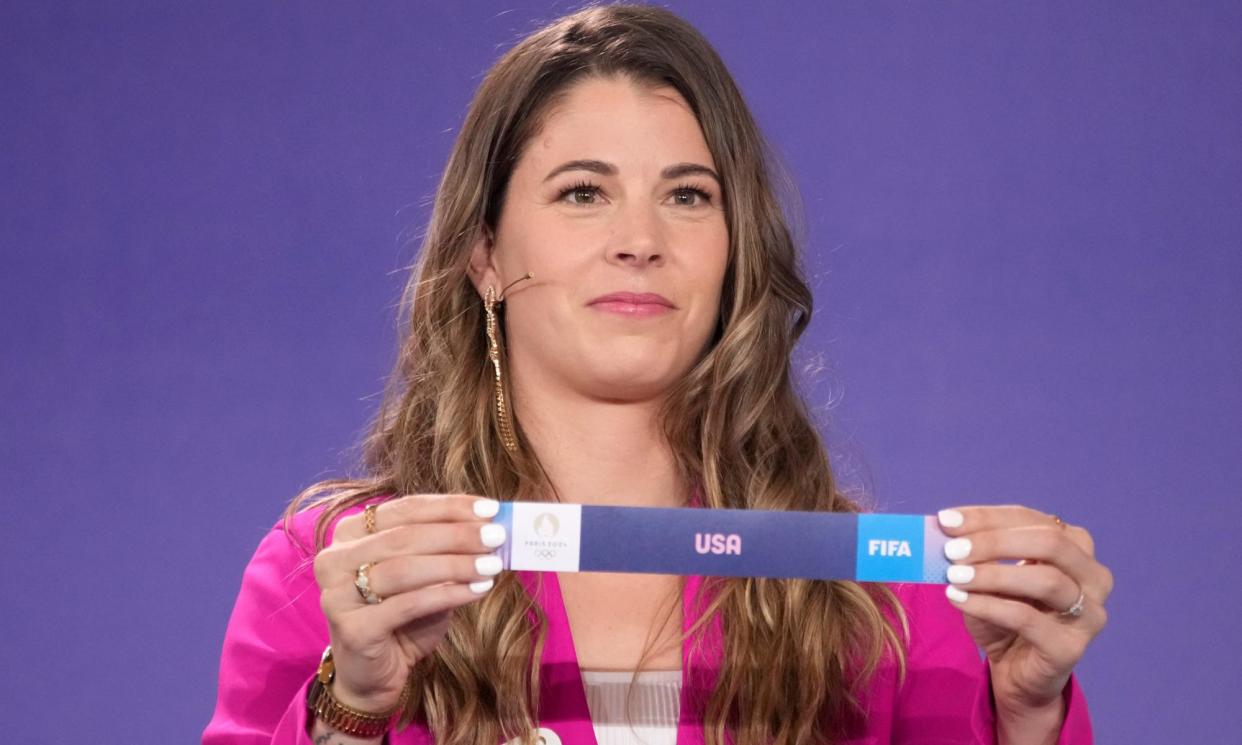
[412, 606]
[418, 508]
[373, 624]
[1043, 583]
[1082, 537]
[1044, 630]
[1049, 545]
[405, 574]
[958, 521]
[338, 563]
[965, 520]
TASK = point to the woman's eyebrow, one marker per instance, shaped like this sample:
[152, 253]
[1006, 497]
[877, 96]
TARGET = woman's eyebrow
[608, 169]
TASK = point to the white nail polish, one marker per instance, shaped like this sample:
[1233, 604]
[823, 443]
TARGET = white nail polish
[961, 573]
[955, 594]
[492, 535]
[488, 565]
[478, 588]
[486, 507]
[957, 549]
[950, 518]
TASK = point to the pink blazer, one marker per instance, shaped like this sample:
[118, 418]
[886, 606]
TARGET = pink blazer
[277, 634]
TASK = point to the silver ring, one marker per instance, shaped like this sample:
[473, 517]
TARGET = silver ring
[363, 582]
[1075, 610]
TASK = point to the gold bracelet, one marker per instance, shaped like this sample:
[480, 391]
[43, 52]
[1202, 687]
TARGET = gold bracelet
[342, 717]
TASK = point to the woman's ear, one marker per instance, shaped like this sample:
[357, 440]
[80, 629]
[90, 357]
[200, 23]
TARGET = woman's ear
[482, 272]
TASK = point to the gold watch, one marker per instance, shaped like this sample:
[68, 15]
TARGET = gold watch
[346, 719]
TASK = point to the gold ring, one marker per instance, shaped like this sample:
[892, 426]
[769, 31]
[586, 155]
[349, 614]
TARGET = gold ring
[362, 581]
[1057, 519]
[368, 515]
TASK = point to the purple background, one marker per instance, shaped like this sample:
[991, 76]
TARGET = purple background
[1023, 232]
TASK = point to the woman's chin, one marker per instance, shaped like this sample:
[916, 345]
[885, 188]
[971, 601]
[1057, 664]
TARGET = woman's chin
[639, 385]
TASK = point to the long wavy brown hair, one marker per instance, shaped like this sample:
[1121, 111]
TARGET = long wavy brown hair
[796, 652]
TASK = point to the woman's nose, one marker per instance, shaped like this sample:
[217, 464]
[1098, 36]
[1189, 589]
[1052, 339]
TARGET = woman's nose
[637, 241]
[638, 256]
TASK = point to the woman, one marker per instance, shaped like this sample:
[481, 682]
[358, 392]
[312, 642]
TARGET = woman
[603, 313]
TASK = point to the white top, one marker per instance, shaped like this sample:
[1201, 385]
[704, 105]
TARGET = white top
[654, 706]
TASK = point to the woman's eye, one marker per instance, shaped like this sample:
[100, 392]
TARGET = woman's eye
[690, 196]
[580, 194]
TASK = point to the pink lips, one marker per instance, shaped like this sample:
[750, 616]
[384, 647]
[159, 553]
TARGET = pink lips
[633, 303]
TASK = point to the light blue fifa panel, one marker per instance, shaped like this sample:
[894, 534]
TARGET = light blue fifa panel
[890, 548]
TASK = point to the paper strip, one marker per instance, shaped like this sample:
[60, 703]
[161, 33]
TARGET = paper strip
[867, 547]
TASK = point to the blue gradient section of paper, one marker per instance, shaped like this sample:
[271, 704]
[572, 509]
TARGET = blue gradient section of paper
[906, 531]
[662, 541]
[935, 563]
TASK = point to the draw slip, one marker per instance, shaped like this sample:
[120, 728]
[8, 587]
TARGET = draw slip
[867, 547]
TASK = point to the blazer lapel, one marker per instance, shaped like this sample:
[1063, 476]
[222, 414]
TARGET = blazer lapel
[700, 664]
[562, 699]
[563, 706]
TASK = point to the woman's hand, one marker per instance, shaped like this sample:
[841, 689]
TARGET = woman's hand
[1014, 611]
[429, 554]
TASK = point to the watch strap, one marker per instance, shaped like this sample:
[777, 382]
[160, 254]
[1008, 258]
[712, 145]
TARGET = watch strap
[342, 717]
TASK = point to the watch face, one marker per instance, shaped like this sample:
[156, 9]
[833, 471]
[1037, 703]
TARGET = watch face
[327, 668]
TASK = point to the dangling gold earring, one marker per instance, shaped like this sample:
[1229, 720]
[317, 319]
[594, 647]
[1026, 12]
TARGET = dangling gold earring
[507, 435]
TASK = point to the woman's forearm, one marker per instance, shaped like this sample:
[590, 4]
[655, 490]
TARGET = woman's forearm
[1042, 727]
[322, 734]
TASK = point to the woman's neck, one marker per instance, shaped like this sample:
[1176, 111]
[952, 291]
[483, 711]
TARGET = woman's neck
[600, 452]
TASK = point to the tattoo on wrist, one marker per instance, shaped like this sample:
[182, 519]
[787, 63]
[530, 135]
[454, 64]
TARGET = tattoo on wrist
[326, 738]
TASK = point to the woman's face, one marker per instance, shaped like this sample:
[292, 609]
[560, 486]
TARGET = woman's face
[642, 215]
